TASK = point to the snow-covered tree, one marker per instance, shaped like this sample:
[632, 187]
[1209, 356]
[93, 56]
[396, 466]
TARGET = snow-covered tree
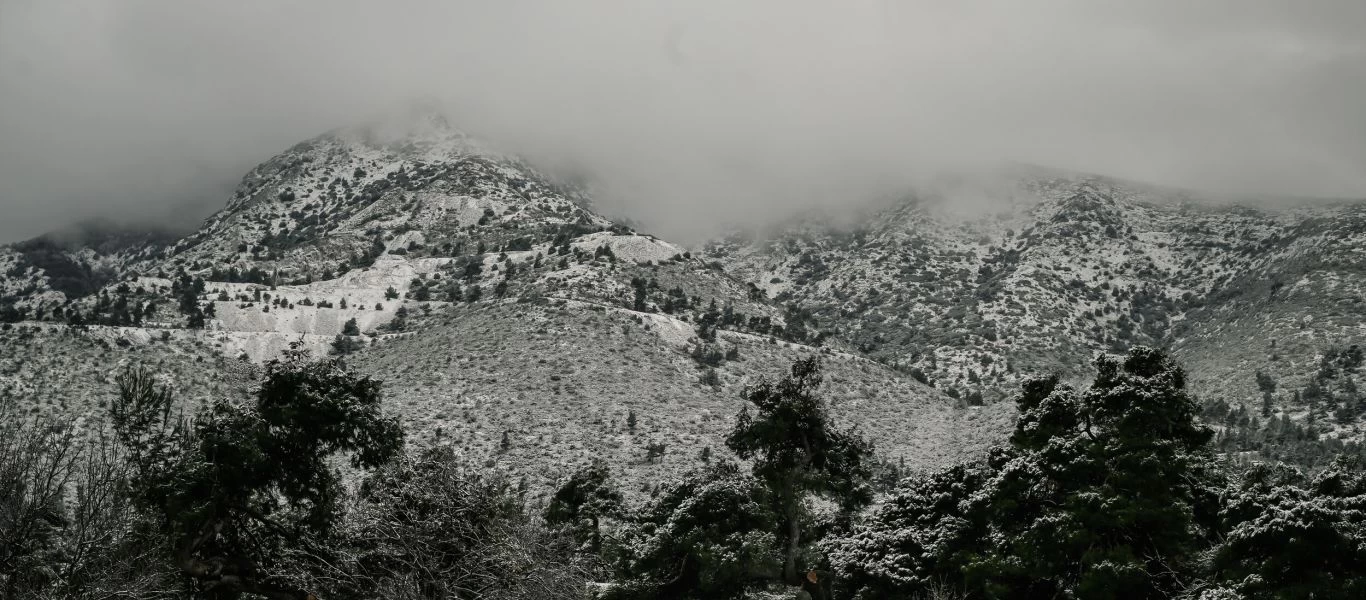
[797, 453]
[707, 536]
[1106, 493]
[240, 486]
[1292, 537]
[583, 501]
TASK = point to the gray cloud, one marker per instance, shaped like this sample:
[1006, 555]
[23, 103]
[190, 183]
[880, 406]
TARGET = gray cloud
[691, 111]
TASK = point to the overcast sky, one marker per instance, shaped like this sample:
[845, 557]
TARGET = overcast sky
[152, 109]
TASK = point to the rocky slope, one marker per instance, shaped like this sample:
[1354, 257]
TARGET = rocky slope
[506, 317]
[1059, 267]
[511, 320]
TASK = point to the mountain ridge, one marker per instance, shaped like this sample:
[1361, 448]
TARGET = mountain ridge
[365, 242]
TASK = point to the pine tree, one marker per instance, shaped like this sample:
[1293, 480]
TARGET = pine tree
[1106, 493]
[217, 482]
[1293, 537]
[350, 328]
[582, 502]
[797, 452]
[707, 536]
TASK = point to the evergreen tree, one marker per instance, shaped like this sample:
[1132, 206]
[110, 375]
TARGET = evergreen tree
[638, 294]
[432, 526]
[1107, 493]
[582, 502]
[924, 535]
[343, 345]
[241, 486]
[797, 452]
[1106, 500]
[709, 536]
[1295, 538]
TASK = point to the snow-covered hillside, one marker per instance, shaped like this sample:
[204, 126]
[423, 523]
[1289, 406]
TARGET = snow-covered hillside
[411, 248]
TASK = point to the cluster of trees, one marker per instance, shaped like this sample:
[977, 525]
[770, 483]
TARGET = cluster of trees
[1332, 397]
[347, 341]
[187, 291]
[246, 500]
[1333, 389]
[234, 275]
[648, 296]
[1113, 491]
[65, 274]
[721, 531]
[124, 307]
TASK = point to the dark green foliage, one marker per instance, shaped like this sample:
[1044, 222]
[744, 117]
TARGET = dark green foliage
[1101, 495]
[434, 527]
[639, 294]
[1107, 493]
[707, 355]
[710, 378]
[400, 321]
[1292, 537]
[187, 290]
[64, 274]
[1333, 398]
[708, 537]
[350, 328]
[654, 451]
[241, 487]
[9, 313]
[797, 452]
[343, 345]
[582, 502]
[926, 533]
[233, 275]
[707, 323]
[799, 325]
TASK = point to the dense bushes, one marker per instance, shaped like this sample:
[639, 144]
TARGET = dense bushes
[66, 528]
[1112, 493]
[245, 500]
[435, 527]
[1295, 537]
[721, 532]
[710, 535]
[1108, 492]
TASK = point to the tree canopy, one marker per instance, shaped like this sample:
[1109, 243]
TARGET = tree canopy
[238, 486]
[796, 451]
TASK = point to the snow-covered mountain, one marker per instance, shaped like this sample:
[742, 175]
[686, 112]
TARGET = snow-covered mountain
[505, 316]
[511, 320]
[1062, 266]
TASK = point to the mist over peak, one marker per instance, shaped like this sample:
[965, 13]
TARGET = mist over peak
[687, 115]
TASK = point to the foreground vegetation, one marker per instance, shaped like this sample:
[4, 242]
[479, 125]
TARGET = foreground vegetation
[307, 491]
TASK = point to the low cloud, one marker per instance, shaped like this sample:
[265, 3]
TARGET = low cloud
[690, 113]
